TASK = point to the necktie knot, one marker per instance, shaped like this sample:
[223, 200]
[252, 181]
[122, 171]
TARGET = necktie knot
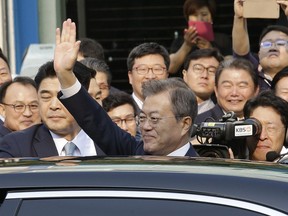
[69, 148]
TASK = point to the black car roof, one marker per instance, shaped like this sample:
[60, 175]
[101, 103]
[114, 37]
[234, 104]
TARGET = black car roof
[244, 180]
[57, 166]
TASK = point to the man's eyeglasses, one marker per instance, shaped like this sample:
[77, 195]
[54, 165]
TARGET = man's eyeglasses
[144, 69]
[277, 43]
[199, 69]
[20, 108]
[153, 121]
[129, 120]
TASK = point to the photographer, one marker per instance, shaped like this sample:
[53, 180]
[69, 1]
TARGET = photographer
[271, 111]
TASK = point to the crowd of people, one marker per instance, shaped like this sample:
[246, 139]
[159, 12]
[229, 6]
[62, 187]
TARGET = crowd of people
[70, 107]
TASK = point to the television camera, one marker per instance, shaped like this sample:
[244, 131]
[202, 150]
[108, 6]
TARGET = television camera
[227, 133]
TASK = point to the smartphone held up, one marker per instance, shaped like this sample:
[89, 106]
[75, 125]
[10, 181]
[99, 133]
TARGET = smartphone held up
[263, 9]
[204, 29]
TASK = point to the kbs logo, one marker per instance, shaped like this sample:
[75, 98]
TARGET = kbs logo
[243, 130]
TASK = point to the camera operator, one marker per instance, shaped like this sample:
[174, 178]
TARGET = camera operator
[271, 111]
[235, 83]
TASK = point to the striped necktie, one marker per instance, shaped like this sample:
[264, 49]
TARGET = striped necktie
[69, 148]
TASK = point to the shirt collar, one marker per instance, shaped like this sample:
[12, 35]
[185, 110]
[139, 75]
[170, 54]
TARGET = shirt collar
[85, 145]
[181, 151]
[137, 100]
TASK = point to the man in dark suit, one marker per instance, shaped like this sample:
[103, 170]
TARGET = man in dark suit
[214, 114]
[58, 128]
[199, 71]
[147, 61]
[235, 83]
[165, 121]
[19, 103]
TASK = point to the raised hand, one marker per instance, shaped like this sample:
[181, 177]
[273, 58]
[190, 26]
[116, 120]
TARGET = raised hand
[238, 8]
[65, 54]
[284, 6]
[190, 36]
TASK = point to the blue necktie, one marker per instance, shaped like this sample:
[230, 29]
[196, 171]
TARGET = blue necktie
[69, 148]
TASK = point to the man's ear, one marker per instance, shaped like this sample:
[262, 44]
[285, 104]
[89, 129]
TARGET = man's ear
[216, 91]
[186, 124]
[130, 77]
[184, 74]
[257, 91]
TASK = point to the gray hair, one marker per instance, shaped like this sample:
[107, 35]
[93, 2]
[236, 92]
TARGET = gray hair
[183, 100]
[238, 64]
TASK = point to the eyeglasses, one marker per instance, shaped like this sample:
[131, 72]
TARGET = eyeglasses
[199, 69]
[129, 120]
[277, 43]
[20, 108]
[144, 69]
[153, 121]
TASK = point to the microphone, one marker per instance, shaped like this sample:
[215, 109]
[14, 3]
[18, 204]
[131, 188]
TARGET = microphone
[272, 155]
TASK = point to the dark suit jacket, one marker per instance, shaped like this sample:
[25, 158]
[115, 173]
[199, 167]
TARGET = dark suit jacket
[4, 130]
[138, 135]
[216, 113]
[35, 141]
[98, 125]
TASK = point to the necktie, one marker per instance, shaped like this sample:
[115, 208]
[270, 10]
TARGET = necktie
[69, 148]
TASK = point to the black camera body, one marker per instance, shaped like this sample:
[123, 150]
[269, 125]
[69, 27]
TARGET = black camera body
[227, 132]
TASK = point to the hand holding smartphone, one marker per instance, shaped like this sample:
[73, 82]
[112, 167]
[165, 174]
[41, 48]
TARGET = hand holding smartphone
[204, 29]
[265, 9]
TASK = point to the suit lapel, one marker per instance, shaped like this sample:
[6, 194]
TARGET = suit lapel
[217, 113]
[43, 143]
[191, 152]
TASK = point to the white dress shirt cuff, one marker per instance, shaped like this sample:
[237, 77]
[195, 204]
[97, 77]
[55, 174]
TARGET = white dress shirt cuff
[72, 90]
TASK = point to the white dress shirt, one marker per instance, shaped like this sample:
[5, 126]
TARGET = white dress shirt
[72, 90]
[180, 151]
[138, 101]
[85, 145]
